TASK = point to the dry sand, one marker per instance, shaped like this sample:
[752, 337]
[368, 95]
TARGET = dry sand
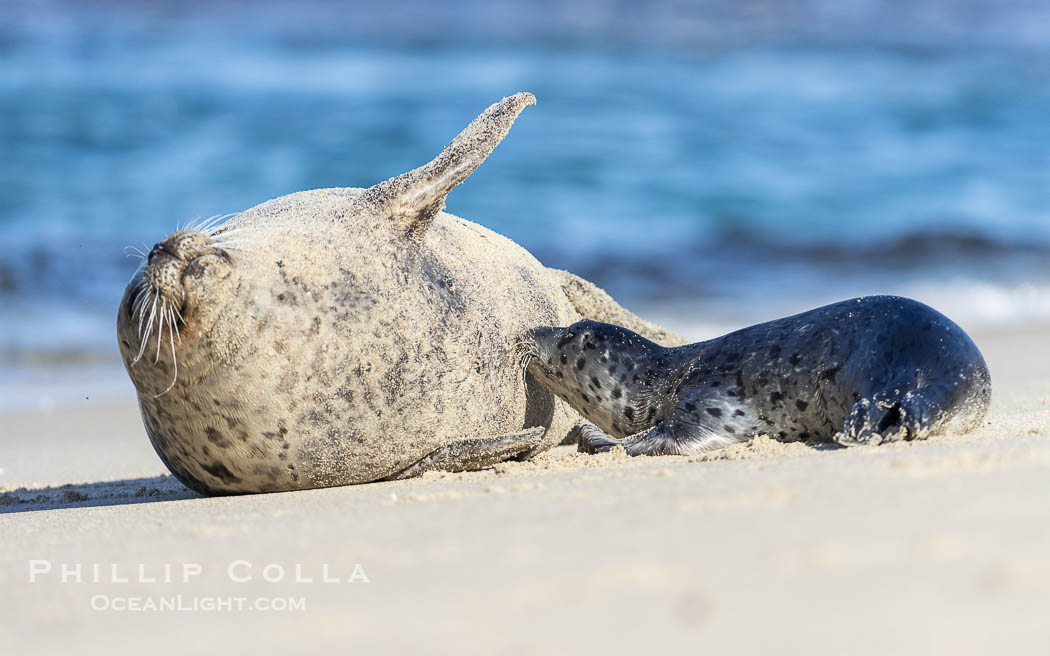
[933, 547]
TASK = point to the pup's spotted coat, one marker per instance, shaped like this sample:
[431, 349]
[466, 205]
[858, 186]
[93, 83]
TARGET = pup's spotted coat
[866, 370]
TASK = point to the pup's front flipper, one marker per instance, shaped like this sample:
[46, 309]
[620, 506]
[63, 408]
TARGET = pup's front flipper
[674, 436]
[474, 453]
[591, 439]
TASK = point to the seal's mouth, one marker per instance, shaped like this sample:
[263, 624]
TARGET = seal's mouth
[541, 353]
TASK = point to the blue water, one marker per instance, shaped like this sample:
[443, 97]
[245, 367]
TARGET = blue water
[706, 163]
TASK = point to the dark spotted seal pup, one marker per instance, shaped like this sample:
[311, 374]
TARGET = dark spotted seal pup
[867, 370]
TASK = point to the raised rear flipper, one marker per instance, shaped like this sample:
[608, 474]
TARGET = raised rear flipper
[412, 200]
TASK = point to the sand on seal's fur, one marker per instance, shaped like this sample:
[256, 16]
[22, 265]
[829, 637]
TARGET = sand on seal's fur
[340, 336]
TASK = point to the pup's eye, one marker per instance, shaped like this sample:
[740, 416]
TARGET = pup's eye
[566, 338]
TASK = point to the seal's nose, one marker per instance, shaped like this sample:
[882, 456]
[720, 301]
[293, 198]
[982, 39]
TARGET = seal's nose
[162, 247]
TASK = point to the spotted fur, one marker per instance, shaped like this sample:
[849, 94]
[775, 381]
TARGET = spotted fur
[866, 370]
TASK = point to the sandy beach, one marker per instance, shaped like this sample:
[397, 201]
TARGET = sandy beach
[927, 547]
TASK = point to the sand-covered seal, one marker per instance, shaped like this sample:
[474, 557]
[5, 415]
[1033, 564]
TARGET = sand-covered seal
[866, 370]
[343, 336]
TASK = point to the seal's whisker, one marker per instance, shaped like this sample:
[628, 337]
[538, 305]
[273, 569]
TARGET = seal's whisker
[176, 314]
[523, 368]
[213, 224]
[525, 352]
[186, 225]
[140, 301]
[136, 302]
[206, 225]
[196, 225]
[147, 294]
[133, 251]
[160, 328]
[149, 329]
[224, 226]
[174, 361]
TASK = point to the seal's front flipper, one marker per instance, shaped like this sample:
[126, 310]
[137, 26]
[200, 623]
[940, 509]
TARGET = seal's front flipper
[675, 436]
[472, 454]
[892, 416]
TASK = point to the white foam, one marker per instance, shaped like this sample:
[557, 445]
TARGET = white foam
[971, 304]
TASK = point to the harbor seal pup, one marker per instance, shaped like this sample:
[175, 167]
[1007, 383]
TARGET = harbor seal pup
[866, 370]
[343, 336]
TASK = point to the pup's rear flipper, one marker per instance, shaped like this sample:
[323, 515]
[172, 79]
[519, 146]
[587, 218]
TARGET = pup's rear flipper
[893, 415]
[473, 454]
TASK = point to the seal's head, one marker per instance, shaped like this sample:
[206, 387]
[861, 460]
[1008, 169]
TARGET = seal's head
[166, 304]
[612, 376]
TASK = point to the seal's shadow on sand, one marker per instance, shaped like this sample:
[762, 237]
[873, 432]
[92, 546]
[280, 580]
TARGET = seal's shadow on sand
[164, 488]
[86, 495]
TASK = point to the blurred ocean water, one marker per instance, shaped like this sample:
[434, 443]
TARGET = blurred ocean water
[708, 163]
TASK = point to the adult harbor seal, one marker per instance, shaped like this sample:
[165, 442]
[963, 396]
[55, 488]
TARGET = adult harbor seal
[866, 370]
[343, 336]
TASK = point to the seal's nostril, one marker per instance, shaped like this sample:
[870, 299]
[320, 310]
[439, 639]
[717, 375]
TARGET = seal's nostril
[162, 247]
